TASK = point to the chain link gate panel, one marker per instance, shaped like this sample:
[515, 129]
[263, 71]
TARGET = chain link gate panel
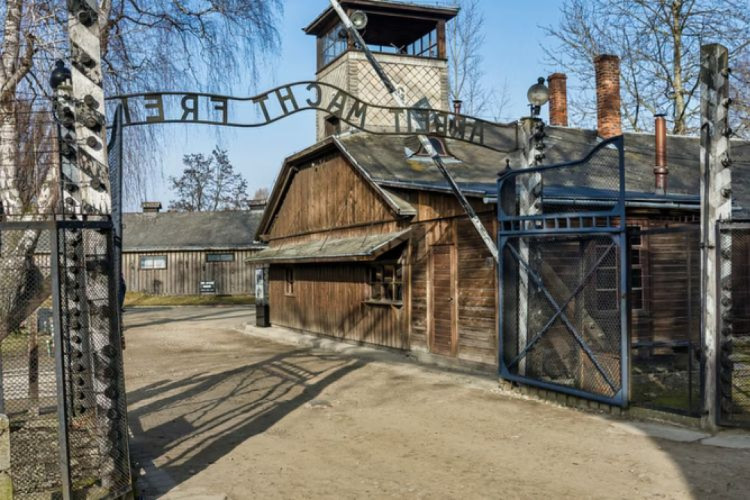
[667, 365]
[28, 396]
[62, 375]
[733, 245]
[563, 276]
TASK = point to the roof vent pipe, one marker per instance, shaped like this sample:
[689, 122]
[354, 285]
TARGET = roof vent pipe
[661, 170]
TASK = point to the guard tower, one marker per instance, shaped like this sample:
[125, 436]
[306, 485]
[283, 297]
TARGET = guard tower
[408, 40]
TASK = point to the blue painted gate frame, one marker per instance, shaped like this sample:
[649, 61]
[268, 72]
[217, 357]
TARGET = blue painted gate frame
[539, 226]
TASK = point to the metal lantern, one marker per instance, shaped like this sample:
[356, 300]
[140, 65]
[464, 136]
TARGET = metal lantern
[359, 20]
[538, 95]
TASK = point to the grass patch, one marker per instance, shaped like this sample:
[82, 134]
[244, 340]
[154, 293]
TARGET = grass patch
[136, 299]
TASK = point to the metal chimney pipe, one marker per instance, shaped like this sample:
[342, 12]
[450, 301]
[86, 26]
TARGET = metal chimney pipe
[457, 106]
[661, 170]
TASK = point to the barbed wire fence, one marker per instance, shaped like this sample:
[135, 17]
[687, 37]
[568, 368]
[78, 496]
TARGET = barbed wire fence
[61, 390]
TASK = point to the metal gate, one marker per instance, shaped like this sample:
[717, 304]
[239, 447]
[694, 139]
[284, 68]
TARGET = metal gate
[563, 276]
[733, 278]
[61, 373]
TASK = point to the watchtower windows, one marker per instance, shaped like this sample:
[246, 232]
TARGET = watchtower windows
[392, 28]
[421, 44]
[333, 44]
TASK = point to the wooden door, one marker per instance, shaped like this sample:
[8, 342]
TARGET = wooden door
[443, 301]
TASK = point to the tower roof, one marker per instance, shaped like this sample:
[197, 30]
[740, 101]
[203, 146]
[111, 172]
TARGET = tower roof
[402, 12]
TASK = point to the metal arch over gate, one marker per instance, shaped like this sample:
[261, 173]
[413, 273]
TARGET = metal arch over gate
[563, 306]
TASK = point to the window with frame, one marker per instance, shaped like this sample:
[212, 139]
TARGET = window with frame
[386, 283]
[426, 46]
[219, 257]
[289, 281]
[151, 262]
[334, 43]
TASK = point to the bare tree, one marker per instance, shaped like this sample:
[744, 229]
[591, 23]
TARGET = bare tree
[740, 92]
[261, 194]
[658, 42]
[465, 65]
[146, 45]
[208, 183]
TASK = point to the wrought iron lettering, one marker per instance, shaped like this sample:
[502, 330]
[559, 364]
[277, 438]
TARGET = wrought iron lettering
[276, 104]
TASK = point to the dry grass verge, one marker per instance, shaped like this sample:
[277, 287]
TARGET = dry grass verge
[136, 299]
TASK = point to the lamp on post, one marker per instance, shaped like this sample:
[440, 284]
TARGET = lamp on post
[538, 96]
[59, 75]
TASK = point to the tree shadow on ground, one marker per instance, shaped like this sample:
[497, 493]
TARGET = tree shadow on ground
[182, 426]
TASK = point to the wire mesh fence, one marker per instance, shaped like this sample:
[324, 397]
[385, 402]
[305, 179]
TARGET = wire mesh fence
[93, 374]
[61, 383]
[563, 313]
[562, 275]
[29, 395]
[665, 318]
[734, 346]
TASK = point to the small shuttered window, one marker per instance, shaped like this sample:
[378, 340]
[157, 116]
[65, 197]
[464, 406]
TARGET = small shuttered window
[219, 257]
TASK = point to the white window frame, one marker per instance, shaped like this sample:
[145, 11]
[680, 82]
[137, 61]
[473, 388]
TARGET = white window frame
[149, 262]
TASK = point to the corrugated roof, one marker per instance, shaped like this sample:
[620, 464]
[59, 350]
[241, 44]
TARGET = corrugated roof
[476, 168]
[390, 162]
[176, 231]
[366, 247]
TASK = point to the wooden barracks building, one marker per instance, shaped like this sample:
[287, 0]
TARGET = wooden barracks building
[189, 253]
[367, 244]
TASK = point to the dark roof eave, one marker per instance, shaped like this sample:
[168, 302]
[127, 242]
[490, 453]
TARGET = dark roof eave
[438, 188]
[318, 254]
[436, 12]
[259, 246]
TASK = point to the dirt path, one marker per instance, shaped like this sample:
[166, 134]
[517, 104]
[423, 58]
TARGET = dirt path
[215, 412]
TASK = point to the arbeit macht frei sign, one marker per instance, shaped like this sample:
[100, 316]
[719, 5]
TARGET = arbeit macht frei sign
[283, 101]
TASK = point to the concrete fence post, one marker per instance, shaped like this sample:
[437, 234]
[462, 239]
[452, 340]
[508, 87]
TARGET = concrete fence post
[716, 206]
[529, 203]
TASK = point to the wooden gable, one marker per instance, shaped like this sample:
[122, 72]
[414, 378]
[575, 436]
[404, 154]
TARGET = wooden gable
[326, 195]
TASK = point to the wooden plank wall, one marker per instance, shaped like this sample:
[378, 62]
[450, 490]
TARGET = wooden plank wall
[330, 300]
[672, 287]
[185, 271]
[326, 196]
[441, 220]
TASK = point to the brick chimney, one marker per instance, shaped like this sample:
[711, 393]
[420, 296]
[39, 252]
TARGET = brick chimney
[558, 99]
[608, 120]
[151, 207]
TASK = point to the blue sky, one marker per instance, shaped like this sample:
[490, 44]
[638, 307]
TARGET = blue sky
[512, 53]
